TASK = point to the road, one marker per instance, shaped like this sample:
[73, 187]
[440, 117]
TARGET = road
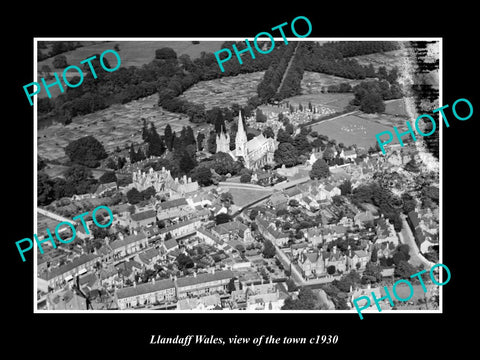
[406, 237]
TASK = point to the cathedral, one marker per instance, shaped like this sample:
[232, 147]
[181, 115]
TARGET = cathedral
[256, 152]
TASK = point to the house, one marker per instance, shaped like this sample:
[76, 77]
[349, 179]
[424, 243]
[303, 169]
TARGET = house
[208, 302]
[172, 209]
[107, 276]
[129, 244]
[66, 300]
[128, 269]
[358, 259]
[181, 229]
[200, 284]
[202, 199]
[294, 193]
[326, 192]
[425, 240]
[364, 218]
[348, 154]
[314, 236]
[270, 231]
[316, 263]
[278, 200]
[65, 273]
[143, 219]
[210, 238]
[233, 230]
[170, 245]
[151, 293]
[149, 257]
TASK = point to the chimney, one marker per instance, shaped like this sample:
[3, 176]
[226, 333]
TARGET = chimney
[134, 284]
[194, 274]
[153, 281]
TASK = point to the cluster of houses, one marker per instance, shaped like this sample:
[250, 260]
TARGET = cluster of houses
[160, 231]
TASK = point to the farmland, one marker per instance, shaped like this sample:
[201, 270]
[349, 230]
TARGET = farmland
[224, 91]
[118, 125]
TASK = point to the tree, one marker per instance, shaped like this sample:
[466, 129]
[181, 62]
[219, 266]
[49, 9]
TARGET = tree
[165, 53]
[301, 144]
[372, 103]
[331, 269]
[245, 178]
[212, 143]
[329, 154]
[286, 154]
[200, 139]
[156, 146]
[60, 62]
[260, 116]
[168, 137]
[107, 177]
[404, 270]
[268, 132]
[319, 170]
[306, 300]
[268, 249]
[202, 174]
[134, 196]
[346, 187]
[184, 261]
[291, 286]
[231, 285]
[86, 151]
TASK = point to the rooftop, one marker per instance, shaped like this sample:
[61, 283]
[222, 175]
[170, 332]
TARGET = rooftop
[145, 288]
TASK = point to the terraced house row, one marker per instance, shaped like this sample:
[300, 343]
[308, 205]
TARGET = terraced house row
[158, 292]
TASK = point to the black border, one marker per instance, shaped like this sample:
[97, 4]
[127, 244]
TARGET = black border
[377, 334]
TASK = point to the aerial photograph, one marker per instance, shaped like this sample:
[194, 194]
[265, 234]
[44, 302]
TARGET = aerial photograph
[166, 184]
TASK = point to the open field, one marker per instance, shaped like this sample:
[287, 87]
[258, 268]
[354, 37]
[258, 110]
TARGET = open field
[132, 53]
[387, 59]
[225, 91]
[359, 128]
[118, 125]
[241, 197]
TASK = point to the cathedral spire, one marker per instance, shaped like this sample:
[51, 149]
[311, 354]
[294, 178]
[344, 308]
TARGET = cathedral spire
[240, 138]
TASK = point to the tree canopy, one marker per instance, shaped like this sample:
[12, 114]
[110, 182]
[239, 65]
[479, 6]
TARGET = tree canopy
[86, 151]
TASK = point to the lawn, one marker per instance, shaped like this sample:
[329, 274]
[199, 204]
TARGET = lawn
[241, 197]
[359, 129]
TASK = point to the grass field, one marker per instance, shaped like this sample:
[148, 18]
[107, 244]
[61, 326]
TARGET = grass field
[241, 197]
[359, 129]
[132, 53]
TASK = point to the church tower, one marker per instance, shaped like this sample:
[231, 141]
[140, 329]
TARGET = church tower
[223, 141]
[241, 139]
